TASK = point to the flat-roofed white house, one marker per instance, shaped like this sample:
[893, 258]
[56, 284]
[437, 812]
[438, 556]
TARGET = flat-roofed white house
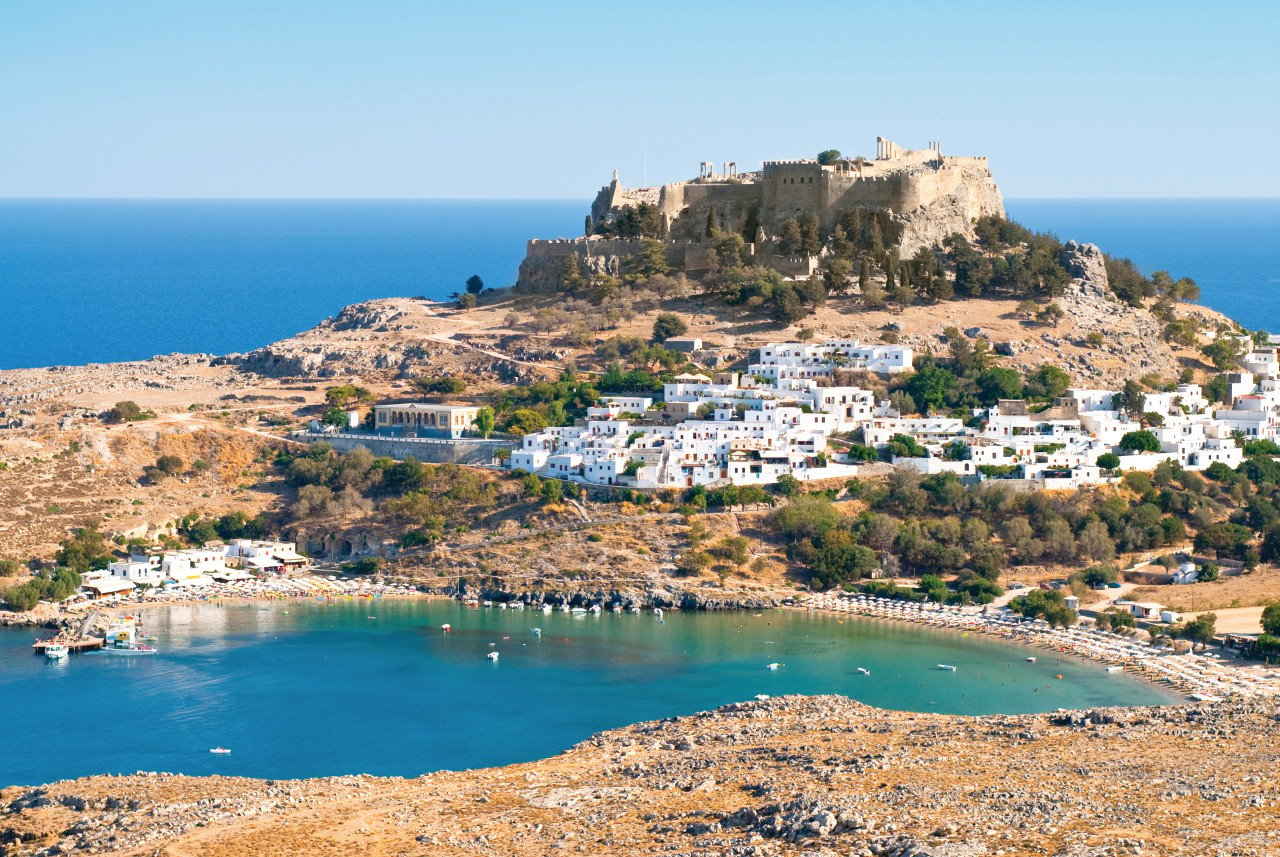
[421, 419]
[192, 567]
[262, 556]
[138, 570]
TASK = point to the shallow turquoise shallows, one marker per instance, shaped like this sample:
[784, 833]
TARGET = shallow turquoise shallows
[308, 688]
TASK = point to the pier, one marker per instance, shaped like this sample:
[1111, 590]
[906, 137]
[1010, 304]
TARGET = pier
[77, 641]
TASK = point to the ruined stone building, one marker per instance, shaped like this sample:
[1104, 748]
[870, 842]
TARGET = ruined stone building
[922, 194]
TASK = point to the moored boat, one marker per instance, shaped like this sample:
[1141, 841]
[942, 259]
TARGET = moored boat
[56, 651]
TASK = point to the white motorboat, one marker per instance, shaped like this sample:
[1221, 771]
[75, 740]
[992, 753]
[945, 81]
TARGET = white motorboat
[773, 666]
[595, 608]
[220, 751]
[634, 610]
[547, 608]
[617, 608]
[947, 667]
[56, 652]
[1031, 660]
[493, 656]
[537, 632]
[565, 608]
[864, 671]
[446, 627]
[1115, 668]
[762, 696]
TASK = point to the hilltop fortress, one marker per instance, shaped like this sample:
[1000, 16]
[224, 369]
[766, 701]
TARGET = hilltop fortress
[917, 196]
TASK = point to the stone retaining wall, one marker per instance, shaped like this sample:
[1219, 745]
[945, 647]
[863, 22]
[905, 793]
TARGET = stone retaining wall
[430, 450]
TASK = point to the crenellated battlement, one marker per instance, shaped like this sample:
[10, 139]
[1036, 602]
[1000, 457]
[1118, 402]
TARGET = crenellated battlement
[924, 193]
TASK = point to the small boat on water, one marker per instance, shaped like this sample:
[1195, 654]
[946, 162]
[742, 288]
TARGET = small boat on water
[565, 608]
[595, 608]
[773, 666]
[1031, 660]
[446, 627]
[124, 636]
[516, 605]
[863, 671]
[762, 696]
[617, 608]
[537, 632]
[220, 751]
[493, 656]
[947, 667]
[56, 652]
[1115, 668]
[547, 608]
[634, 610]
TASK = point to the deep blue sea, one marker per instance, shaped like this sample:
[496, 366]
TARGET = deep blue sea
[93, 281]
[375, 686]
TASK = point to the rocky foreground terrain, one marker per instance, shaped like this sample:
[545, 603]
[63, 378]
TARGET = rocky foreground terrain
[793, 775]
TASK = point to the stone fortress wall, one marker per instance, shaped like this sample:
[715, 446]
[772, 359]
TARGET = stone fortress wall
[927, 195]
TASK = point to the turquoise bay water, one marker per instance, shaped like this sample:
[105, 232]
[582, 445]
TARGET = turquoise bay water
[323, 689]
[101, 280]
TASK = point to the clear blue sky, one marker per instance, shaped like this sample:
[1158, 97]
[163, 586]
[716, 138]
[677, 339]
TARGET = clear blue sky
[308, 98]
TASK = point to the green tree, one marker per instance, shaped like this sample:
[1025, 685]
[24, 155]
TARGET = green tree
[23, 597]
[484, 421]
[334, 417]
[86, 549]
[552, 491]
[1139, 441]
[467, 301]
[170, 465]
[444, 385]
[791, 241]
[1047, 382]
[997, 383]
[1223, 352]
[1200, 629]
[930, 386]
[827, 157]
[1108, 461]
[667, 325]
[475, 285]
[810, 234]
[1271, 619]
[127, 412]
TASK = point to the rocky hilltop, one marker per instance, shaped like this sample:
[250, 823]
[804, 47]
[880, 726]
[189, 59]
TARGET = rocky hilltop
[907, 199]
[819, 776]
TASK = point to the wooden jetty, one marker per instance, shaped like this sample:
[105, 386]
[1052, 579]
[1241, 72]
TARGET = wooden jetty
[77, 641]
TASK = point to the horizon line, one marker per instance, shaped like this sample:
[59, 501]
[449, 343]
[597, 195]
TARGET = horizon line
[514, 198]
